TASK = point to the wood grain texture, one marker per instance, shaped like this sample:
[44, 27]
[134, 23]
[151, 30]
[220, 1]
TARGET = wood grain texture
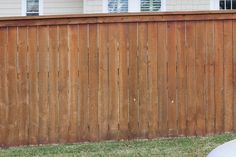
[228, 76]
[190, 46]
[22, 86]
[182, 90]
[43, 83]
[113, 82]
[83, 83]
[234, 75]
[172, 81]
[13, 118]
[133, 81]
[123, 82]
[93, 82]
[53, 83]
[210, 84]
[33, 86]
[143, 79]
[162, 78]
[200, 77]
[73, 40]
[3, 86]
[219, 77]
[63, 85]
[103, 97]
[117, 18]
[152, 81]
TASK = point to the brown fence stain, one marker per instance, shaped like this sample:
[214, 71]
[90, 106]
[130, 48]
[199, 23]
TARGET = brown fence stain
[67, 79]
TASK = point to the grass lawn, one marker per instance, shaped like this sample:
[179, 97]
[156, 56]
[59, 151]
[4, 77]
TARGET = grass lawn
[178, 147]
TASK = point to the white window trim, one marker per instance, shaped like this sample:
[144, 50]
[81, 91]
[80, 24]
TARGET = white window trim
[23, 7]
[105, 6]
[163, 5]
[133, 6]
[214, 5]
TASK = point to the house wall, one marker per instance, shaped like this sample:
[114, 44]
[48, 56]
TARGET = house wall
[57, 7]
[96, 6]
[10, 7]
[93, 6]
[187, 5]
[53, 7]
[50, 7]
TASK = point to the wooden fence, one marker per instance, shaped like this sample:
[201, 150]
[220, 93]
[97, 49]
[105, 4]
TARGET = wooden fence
[66, 79]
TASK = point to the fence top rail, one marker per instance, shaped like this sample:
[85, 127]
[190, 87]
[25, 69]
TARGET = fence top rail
[117, 18]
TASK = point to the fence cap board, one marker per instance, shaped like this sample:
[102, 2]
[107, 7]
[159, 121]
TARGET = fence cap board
[116, 18]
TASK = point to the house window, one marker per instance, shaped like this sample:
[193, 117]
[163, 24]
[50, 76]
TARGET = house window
[32, 7]
[227, 4]
[150, 5]
[117, 6]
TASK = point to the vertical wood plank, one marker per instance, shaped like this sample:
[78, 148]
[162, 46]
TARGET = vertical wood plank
[43, 84]
[228, 76]
[113, 82]
[83, 84]
[22, 86]
[143, 80]
[152, 73]
[93, 82]
[3, 86]
[33, 86]
[190, 44]
[123, 81]
[133, 80]
[172, 57]
[74, 82]
[182, 78]
[63, 85]
[200, 75]
[103, 82]
[234, 75]
[219, 79]
[13, 130]
[53, 84]
[162, 78]
[210, 69]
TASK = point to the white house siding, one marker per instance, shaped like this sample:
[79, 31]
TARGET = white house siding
[10, 7]
[93, 6]
[187, 5]
[96, 6]
[59, 7]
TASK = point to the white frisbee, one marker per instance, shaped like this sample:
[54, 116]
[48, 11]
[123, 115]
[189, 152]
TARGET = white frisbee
[226, 150]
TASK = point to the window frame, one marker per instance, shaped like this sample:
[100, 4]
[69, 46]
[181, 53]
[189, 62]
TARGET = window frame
[24, 7]
[215, 5]
[151, 11]
[117, 12]
[132, 7]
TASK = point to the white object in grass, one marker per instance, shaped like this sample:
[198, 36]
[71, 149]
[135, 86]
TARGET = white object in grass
[226, 150]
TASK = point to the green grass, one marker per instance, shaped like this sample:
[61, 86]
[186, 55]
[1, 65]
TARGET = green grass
[174, 147]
